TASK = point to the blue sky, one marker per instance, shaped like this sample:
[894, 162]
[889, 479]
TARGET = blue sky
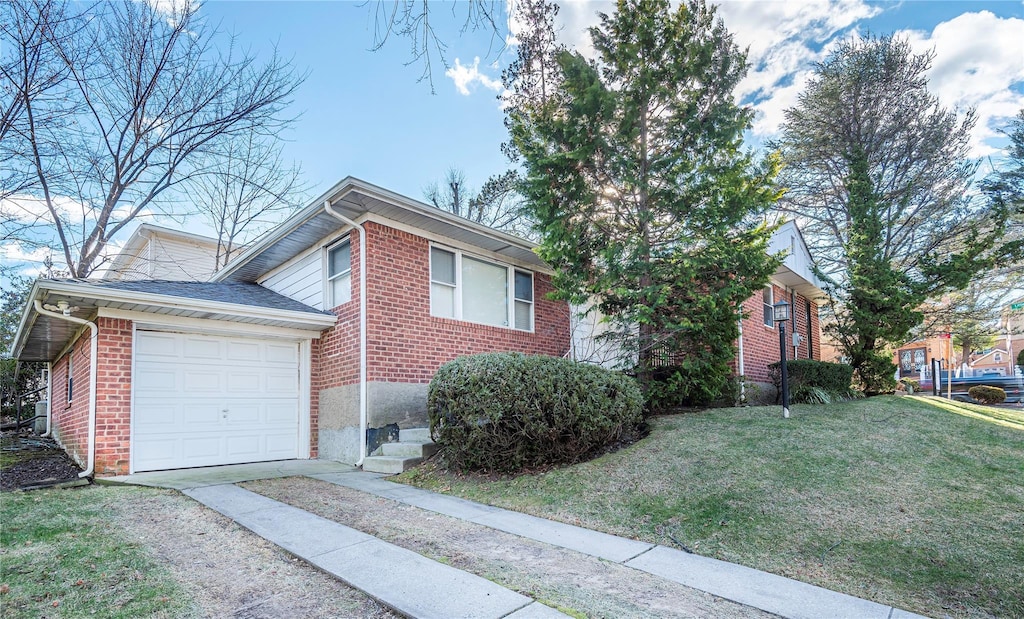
[366, 114]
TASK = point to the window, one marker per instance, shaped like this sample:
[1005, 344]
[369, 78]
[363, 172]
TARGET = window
[71, 375]
[998, 357]
[477, 290]
[769, 311]
[339, 273]
[810, 330]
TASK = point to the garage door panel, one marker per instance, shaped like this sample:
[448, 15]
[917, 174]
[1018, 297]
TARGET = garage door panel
[203, 448]
[244, 351]
[155, 344]
[152, 379]
[201, 348]
[244, 382]
[277, 353]
[201, 382]
[206, 400]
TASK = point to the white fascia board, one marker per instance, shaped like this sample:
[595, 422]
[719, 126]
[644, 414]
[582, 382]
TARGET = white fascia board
[146, 320]
[337, 193]
[321, 321]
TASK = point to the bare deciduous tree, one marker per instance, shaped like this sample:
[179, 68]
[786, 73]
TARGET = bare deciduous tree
[143, 99]
[245, 188]
[412, 20]
[497, 205]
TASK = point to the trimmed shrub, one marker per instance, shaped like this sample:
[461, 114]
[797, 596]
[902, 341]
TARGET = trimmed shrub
[1020, 359]
[814, 382]
[986, 394]
[913, 385]
[508, 411]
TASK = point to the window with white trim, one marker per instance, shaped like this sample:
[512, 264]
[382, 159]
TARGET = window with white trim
[339, 273]
[769, 309]
[477, 290]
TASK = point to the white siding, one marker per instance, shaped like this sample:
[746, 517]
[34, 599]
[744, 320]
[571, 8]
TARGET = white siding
[180, 260]
[301, 279]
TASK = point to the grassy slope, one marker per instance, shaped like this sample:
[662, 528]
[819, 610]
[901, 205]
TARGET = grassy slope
[60, 557]
[891, 499]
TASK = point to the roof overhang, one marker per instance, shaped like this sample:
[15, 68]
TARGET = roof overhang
[42, 338]
[356, 200]
[797, 269]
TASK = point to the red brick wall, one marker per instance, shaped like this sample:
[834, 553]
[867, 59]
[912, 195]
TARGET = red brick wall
[113, 396]
[406, 344]
[761, 343]
[70, 420]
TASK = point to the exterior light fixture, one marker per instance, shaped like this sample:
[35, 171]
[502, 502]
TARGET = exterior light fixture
[780, 312]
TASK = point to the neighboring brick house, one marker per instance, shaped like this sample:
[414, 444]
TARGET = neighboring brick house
[794, 282]
[281, 355]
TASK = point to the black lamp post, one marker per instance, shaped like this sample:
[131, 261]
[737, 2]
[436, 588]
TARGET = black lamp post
[781, 314]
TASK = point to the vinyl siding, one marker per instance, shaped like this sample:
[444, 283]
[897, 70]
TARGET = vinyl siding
[300, 279]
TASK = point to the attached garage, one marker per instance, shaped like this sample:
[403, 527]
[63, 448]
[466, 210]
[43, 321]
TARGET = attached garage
[204, 400]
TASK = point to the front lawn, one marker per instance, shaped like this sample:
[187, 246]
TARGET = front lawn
[892, 499]
[61, 555]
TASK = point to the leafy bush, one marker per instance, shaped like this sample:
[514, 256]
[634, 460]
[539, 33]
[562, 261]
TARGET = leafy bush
[1020, 358]
[986, 394]
[913, 383]
[814, 382]
[509, 411]
[693, 383]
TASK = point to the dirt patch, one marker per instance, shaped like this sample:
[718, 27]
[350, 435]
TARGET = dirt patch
[566, 579]
[28, 460]
[231, 572]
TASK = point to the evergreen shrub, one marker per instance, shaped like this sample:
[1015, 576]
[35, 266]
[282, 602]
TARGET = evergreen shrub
[814, 382]
[508, 412]
[986, 394]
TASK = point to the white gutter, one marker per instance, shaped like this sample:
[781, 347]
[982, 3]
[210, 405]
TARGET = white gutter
[362, 326]
[49, 398]
[93, 363]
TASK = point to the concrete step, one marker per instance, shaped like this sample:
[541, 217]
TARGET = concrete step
[389, 465]
[413, 449]
[414, 435]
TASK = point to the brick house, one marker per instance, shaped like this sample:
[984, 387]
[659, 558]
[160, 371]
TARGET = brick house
[281, 354]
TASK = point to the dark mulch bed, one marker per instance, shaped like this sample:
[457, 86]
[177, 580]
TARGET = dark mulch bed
[28, 460]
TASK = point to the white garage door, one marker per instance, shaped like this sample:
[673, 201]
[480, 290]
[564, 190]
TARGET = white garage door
[204, 400]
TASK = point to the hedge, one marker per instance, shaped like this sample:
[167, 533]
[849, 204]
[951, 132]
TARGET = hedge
[816, 382]
[986, 394]
[508, 411]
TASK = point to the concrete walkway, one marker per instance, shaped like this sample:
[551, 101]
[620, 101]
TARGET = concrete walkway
[410, 583]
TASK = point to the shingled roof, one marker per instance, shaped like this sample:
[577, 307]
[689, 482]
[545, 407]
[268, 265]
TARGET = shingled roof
[223, 292]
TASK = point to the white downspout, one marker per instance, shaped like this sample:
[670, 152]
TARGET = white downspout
[362, 326]
[49, 398]
[93, 363]
[739, 366]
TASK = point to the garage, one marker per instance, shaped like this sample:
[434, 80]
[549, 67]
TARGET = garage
[205, 400]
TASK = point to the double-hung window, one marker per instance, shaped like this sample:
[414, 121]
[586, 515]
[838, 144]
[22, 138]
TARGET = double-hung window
[339, 273]
[769, 309]
[476, 290]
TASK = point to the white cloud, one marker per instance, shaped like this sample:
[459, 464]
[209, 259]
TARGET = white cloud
[30, 209]
[465, 76]
[30, 259]
[784, 40]
[979, 60]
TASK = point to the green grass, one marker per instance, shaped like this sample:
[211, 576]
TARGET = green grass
[61, 556]
[898, 500]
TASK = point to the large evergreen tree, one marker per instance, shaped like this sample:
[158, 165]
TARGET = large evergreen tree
[643, 197]
[877, 171]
